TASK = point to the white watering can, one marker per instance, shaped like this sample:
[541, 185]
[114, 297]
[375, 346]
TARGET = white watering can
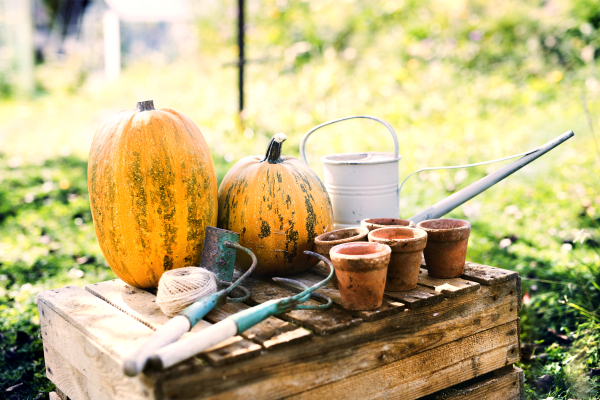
[367, 185]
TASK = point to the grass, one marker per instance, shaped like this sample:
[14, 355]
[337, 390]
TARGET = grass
[454, 96]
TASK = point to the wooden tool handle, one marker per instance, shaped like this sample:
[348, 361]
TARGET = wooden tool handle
[192, 345]
[168, 333]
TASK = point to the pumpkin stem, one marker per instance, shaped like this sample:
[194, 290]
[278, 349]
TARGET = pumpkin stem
[273, 155]
[146, 105]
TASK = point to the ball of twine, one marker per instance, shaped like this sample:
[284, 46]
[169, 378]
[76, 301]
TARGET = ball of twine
[181, 287]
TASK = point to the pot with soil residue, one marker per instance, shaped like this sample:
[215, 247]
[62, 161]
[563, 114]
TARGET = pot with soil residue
[375, 223]
[324, 242]
[407, 246]
[446, 250]
[361, 270]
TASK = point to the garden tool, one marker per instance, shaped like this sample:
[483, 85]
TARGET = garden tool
[239, 322]
[218, 256]
[366, 185]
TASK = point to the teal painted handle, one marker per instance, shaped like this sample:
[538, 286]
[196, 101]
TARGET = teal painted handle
[199, 309]
[248, 318]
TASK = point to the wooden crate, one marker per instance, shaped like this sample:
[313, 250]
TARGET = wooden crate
[443, 333]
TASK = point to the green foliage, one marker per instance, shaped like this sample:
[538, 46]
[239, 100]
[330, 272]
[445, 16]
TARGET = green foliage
[46, 241]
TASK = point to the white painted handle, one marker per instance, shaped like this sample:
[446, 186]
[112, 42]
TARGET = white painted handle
[194, 344]
[307, 134]
[168, 333]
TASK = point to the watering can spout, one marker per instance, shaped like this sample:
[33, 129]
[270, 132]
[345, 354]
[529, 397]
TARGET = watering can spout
[450, 203]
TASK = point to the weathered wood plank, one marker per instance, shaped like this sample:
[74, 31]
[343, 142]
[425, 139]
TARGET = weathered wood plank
[328, 359]
[388, 307]
[447, 287]
[486, 275]
[322, 322]
[61, 395]
[232, 350]
[428, 371]
[269, 333]
[141, 305]
[416, 298]
[53, 396]
[504, 384]
[71, 382]
[137, 303]
[93, 339]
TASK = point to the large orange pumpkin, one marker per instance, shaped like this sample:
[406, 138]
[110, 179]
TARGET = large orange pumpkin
[153, 192]
[278, 205]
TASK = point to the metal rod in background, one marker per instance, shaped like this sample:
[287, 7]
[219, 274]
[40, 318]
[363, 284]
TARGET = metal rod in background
[241, 59]
[450, 203]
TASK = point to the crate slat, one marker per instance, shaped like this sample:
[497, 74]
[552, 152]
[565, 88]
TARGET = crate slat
[447, 287]
[416, 298]
[503, 384]
[486, 275]
[71, 382]
[429, 371]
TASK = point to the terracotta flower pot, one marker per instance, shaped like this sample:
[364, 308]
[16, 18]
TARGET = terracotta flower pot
[361, 269]
[376, 223]
[407, 246]
[446, 249]
[325, 241]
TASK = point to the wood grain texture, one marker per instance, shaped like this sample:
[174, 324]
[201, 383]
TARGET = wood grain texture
[93, 339]
[503, 384]
[428, 371]
[71, 382]
[137, 303]
[388, 307]
[327, 359]
[447, 287]
[232, 350]
[486, 275]
[416, 298]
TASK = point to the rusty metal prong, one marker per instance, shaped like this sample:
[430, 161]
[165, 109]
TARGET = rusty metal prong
[240, 299]
[321, 296]
[295, 284]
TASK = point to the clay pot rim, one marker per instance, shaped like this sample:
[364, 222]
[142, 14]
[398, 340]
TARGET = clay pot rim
[362, 233]
[421, 232]
[366, 223]
[466, 225]
[385, 250]
[455, 234]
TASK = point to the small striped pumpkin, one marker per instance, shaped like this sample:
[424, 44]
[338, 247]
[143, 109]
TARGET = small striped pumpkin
[278, 205]
[153, 192]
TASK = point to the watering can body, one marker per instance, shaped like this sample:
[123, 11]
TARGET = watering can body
[360, 185]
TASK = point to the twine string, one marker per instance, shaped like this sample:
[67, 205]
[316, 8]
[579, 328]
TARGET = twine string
[181, 287]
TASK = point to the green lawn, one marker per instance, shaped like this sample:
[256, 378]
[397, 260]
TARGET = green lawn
[453, 96]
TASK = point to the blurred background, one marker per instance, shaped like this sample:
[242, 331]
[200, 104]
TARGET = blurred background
[461, 81]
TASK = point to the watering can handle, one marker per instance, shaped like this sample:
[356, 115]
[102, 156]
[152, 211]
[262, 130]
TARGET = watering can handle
[388, 126]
